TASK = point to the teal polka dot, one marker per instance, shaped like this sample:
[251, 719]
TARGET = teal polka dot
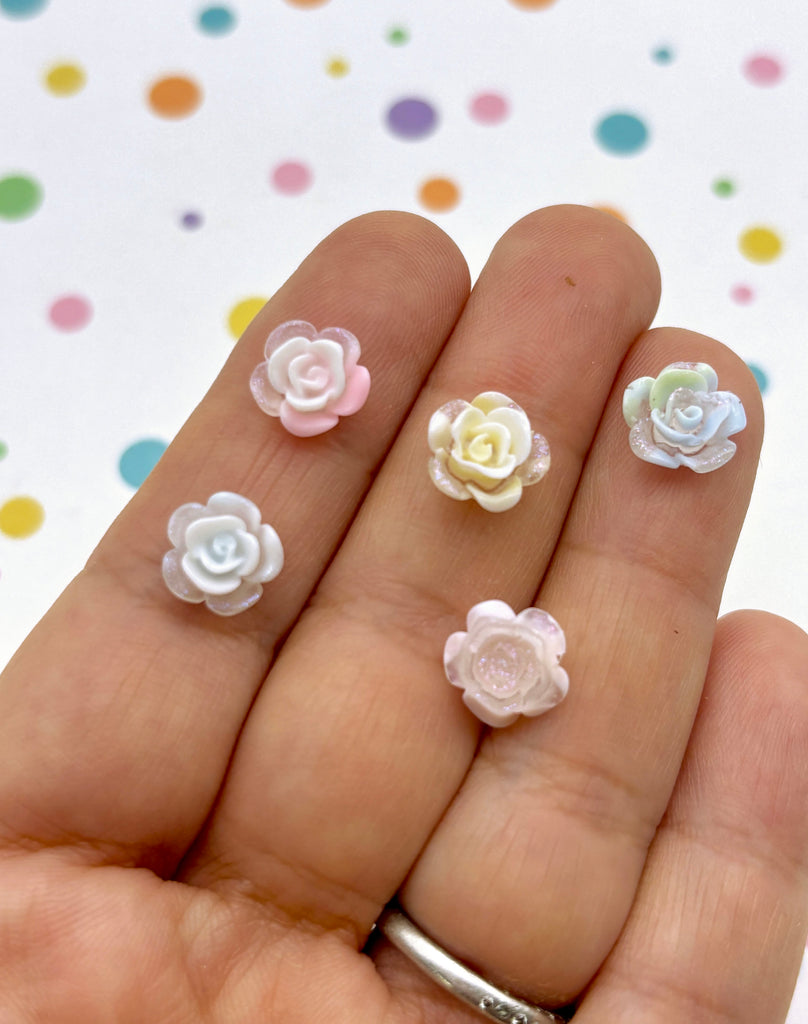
[622, 134]
[216, 21]
[761, 377]
[663, 55]
[139, 459]
[22, 8]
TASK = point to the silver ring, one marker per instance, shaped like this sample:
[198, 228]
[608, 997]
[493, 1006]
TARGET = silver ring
[450, 974]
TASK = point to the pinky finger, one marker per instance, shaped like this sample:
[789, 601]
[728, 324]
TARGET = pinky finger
[718, 926]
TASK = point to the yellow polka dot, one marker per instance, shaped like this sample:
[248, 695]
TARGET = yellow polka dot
[439, 194]
[532, 5]
[240, 316]
[760, 244]
[337, 67]
[21, 516]
[65, 79]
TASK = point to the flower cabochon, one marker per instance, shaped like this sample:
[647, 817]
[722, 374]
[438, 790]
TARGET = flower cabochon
[310, 378]
[485, 450]
[222, 553]
[679, 418]
[507, 664]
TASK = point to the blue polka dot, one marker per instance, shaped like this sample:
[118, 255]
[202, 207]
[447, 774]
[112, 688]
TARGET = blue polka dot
[663, 55]
[216, 21]
[761, 377]
[622, 134]
[22, 8]
[139, 460]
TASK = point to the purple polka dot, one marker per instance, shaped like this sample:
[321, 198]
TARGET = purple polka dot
[411, 118]
[70, 312]
[742, 294]
[291, 178]
[762, 69]
[489, 108]
[191, 220]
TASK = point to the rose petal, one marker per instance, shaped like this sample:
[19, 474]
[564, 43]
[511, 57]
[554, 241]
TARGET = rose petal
[272, 556]
[487, 712]
[711, 457]
[196, 572]
[268, 399]
[537, 463]
[286, 331]
[230, 503]
[490, 400]
[239, 600]
[545, 626]
[176, 580]
[357, 388]
[439, 431]
[642, 444]
[483, 612]
[279, 362]
[671, 379]
[500, 500]
[348, 342]
[443, 479]
[203, 530]
[634, 397]
[303, 424]
[464, 422]
[547, 694]
[736, 420]
[518, 426]
[454, 652]
[181, 520]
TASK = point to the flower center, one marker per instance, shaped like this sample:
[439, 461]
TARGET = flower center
[689, 418]
[306, 375]
[487, 445]
[503, 664]
[223, 547]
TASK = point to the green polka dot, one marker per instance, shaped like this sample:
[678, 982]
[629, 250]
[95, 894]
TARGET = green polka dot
[724, 188]
[398, 36]
[19, 197]
[3, 449]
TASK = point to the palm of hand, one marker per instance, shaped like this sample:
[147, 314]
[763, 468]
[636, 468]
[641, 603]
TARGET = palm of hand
[193, 828]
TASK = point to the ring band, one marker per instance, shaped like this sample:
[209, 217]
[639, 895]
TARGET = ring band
[455, 977]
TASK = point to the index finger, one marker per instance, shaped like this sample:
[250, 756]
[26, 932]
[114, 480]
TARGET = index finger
[118, 716]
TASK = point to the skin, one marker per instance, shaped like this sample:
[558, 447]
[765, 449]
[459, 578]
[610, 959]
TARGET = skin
[201, 818]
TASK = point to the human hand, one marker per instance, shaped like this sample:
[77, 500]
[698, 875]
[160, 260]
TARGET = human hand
[201, 818]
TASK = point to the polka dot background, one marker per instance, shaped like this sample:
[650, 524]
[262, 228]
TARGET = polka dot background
[154, 195]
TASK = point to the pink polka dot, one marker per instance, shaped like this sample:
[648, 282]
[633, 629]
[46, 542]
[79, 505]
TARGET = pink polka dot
[489, 108]
[762, 69]
[742, 294]
[291, 178]
[70, 312]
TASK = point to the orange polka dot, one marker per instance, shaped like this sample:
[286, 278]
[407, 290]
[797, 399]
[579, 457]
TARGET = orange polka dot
[439, 194]
[307, 3]
[174, 96]
[532, 5]
[613, 212]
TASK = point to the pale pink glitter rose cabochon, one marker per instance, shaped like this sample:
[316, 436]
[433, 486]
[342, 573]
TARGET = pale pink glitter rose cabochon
[310, 378]
[507, 664]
